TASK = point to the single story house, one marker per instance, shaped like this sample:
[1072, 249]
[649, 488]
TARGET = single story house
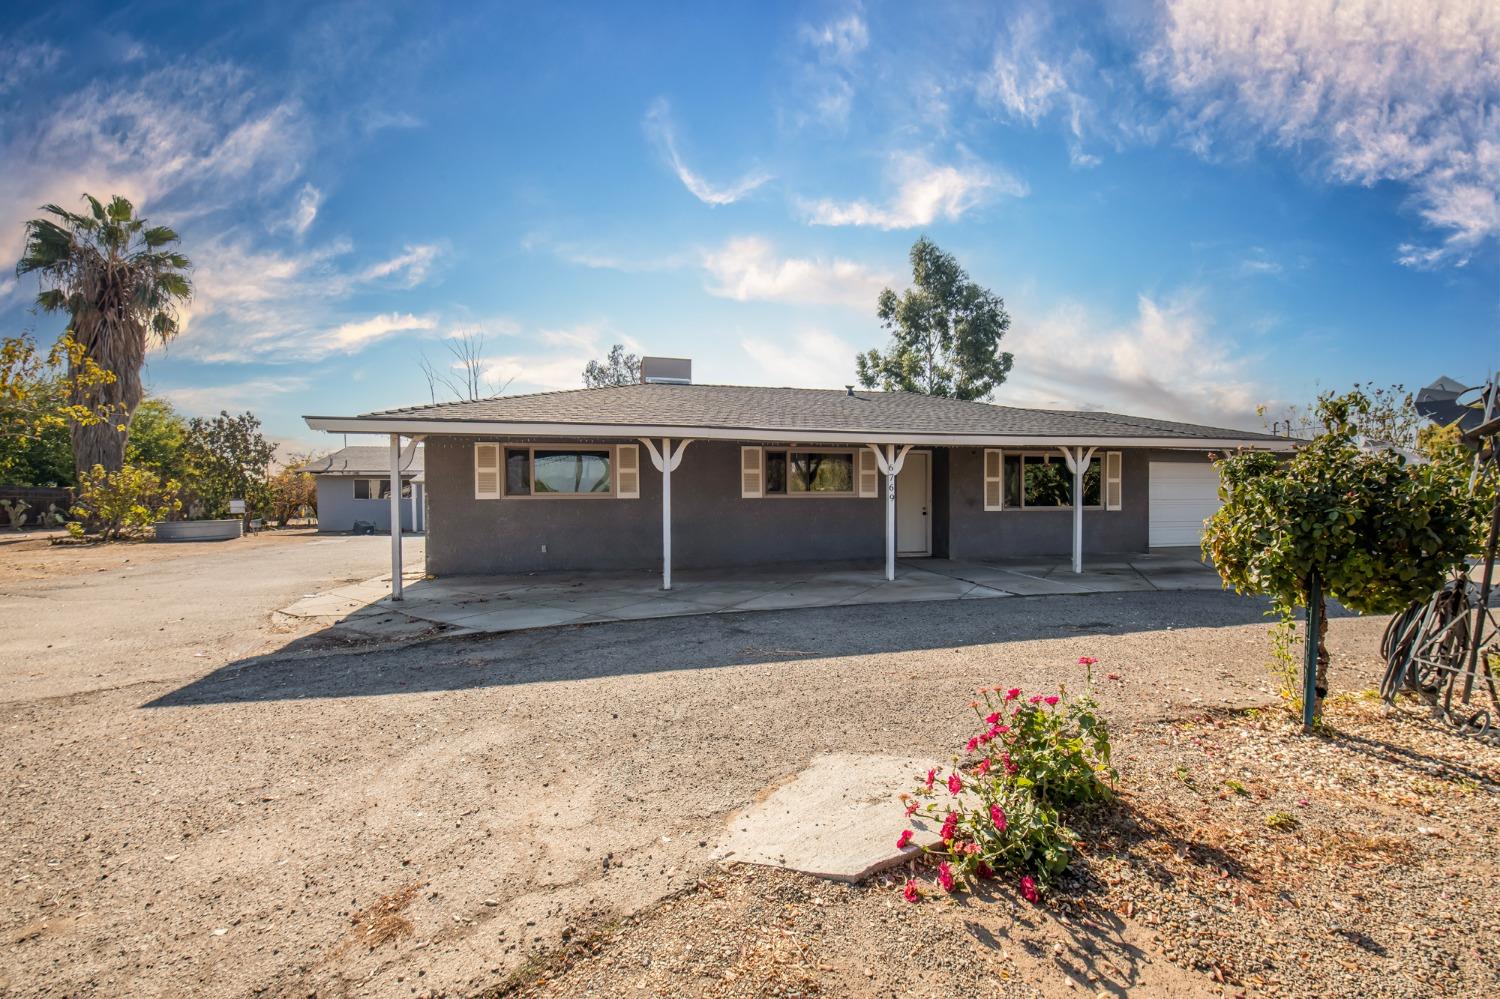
[354, 484]
[667, 472]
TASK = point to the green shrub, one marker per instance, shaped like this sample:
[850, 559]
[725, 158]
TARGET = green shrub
[114, 505]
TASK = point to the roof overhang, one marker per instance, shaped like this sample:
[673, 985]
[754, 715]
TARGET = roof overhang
[761, 435]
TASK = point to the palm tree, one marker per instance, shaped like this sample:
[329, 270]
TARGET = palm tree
[120, 282]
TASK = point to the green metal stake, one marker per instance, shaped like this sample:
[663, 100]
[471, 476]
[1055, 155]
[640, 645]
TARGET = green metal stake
[1310, 656]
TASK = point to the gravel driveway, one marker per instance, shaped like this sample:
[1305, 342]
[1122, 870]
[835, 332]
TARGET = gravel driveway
[398, 821]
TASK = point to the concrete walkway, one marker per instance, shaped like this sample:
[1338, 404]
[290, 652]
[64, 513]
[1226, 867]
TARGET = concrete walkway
[486, 604]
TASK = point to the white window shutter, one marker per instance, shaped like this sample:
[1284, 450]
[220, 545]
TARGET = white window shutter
[1112, 492]
[486, 471]
[752, 473]
[628, 471]
[869, 474]
[993, 490]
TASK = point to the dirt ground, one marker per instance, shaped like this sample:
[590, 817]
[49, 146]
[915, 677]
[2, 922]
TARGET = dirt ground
[451, 817]
[79, 618]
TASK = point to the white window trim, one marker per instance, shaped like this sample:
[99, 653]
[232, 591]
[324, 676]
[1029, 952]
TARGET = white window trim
[531, 448]
[1052, 457]
[791, 449]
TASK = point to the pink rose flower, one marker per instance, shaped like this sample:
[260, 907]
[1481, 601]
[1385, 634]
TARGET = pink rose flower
[983, 870]
[903, 839]
[1028, 889]
[931, 776]
[1086, 660]
[911, 808]
[1051, 700]
[1112, 676]
[984, 766]
[1036, 699]
[955, 785]
[950, 827]
[997, 816]
[972, 744]
[910, 893]
[1013, 693]
[945, 876]
[991, 719]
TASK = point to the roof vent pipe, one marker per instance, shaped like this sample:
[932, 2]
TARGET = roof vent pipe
[849, 389]
[666, 371]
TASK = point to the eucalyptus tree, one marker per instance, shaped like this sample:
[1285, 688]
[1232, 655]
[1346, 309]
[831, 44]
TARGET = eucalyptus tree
[945, 333]
[120, 281]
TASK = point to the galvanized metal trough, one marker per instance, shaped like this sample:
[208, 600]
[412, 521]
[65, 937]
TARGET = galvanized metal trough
[199, 530]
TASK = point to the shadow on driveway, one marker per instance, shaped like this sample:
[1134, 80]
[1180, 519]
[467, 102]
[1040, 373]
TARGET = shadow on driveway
[592, 651]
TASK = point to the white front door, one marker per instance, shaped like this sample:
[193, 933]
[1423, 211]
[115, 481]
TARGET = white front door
[1182, 495]
[914, 505]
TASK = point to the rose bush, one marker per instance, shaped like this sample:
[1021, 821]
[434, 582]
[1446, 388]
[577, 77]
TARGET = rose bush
[1001, 806]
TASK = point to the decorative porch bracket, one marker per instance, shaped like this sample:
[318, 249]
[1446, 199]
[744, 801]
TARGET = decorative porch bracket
[889, 462]
[395, 492]
[666, 461]
[1078, 460]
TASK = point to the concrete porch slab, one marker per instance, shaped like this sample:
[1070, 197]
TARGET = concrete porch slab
[539, 600]
[837, 819]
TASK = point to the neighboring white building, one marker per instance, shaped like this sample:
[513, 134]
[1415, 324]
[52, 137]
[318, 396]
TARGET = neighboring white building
[354, 486]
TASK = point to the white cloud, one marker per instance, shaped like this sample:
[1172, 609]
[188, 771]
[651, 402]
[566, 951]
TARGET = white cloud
[1372, 91]
[21, 62]
[838, 41]
[925, 192]
[748, 269]
[1167, 362]
[1021, 80]
[347, 338]
[660, 128]
[560, 367]
[412, 265]
[823, 91]
[266, 305]
[209, 400]
[813, 358]
[184, 140]
[308, 201]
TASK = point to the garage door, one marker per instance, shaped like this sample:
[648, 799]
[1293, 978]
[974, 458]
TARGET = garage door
[1183, 495]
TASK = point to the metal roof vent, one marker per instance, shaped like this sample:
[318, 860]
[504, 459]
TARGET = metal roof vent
[666, 371]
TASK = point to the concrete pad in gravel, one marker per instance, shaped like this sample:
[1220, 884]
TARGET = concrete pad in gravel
[837, 819]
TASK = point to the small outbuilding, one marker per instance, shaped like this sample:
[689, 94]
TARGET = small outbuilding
[354, 487]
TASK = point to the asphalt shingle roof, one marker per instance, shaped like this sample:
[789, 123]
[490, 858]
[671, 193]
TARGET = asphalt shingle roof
[364, 460]
[743, 407]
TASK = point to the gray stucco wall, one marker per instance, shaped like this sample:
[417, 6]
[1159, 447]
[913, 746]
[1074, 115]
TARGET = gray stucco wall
[338, 509]
[711, 524]
[977, 533]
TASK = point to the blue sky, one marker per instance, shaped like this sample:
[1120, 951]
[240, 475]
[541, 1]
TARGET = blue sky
[1191, 207]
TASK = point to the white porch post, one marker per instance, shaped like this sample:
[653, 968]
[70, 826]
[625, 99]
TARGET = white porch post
[889, 462]
[396, 517]
[665, 461]
[1078, 460]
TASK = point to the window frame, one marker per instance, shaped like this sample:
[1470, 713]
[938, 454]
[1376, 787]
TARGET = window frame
[372, 486]
[789, 450]
[531, 449]
[1052, 457]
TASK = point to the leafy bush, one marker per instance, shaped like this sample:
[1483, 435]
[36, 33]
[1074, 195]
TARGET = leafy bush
[1378, 532]
[1001, 806]
[114, 505]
